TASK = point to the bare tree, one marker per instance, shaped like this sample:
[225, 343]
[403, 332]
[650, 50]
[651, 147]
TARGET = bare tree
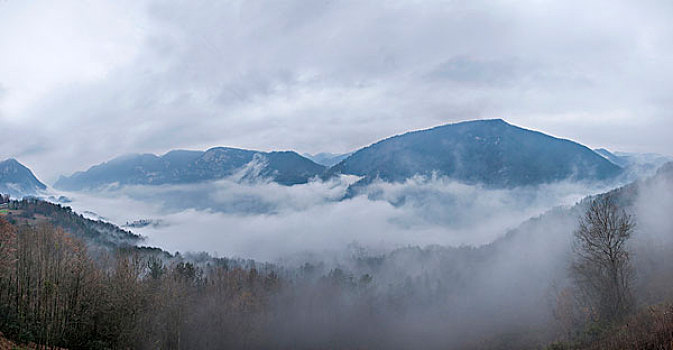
[601, 268]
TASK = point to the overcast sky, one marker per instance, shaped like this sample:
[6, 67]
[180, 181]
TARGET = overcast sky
[85, 81]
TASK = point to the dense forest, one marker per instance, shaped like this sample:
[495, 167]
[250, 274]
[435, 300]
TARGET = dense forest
[97, 233]
[53, 293]
[598, 275]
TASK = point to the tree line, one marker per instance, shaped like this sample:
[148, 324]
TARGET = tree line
[55, 292]
[52, 293]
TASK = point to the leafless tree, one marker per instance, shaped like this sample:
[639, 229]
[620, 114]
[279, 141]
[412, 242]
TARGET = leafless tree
[601, 267]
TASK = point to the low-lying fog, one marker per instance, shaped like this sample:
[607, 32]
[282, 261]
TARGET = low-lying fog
[267, 221]
[505, 294]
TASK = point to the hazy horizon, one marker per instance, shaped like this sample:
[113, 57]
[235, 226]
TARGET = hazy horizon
[440, 230]
[81, 83]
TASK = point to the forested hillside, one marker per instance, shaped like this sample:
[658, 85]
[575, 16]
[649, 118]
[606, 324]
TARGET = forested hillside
[100, 233]
[53, 293]
[516, 292]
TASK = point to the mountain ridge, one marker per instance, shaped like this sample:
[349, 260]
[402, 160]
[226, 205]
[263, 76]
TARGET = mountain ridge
[489, 151]
[18, 180]
[635, 164]
[486, 151]
[185, 166]
[327, 159]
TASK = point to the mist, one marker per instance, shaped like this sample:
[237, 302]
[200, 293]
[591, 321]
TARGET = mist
[505, 294]
[263, 220]
[427, 261]
[342, 262]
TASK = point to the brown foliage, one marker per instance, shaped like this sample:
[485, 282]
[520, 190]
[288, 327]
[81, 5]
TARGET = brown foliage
[52, 293]
[650, 329]
[602, 269]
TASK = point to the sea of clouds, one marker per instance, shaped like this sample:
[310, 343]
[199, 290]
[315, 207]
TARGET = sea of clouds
[264, 220]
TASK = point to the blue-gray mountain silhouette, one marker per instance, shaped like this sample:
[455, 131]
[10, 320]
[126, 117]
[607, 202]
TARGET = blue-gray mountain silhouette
[635, 164]
[181, 166]
[17, 180]
[326, 158]
[490, 152]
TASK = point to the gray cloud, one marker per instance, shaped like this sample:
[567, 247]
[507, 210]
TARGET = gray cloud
[327, 76]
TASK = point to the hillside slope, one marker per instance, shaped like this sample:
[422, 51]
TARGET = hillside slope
[490, 152]
[99, 233]
[17, 180]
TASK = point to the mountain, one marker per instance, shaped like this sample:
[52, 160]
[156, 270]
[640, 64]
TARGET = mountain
[327, 159]
[181, 166]
[613, 158]
[490, 152]
[635, 164]
[17, 180]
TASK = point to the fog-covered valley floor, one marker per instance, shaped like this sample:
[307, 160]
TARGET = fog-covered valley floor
[393, 264]
[336, 174]
[267, 221]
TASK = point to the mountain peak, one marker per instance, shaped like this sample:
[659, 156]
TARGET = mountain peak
[17, 180]
[10, 162]
[486, 151]
[491, 121]
[184, 166]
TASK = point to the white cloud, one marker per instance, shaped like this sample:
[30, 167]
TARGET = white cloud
[270, 221]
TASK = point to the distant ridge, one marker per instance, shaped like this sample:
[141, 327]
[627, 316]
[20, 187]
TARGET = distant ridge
[327, 159]
[635, 164]
[491, 152]
[182, 166]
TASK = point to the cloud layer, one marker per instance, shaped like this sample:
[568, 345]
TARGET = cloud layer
[84, 82]
[268, 221]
